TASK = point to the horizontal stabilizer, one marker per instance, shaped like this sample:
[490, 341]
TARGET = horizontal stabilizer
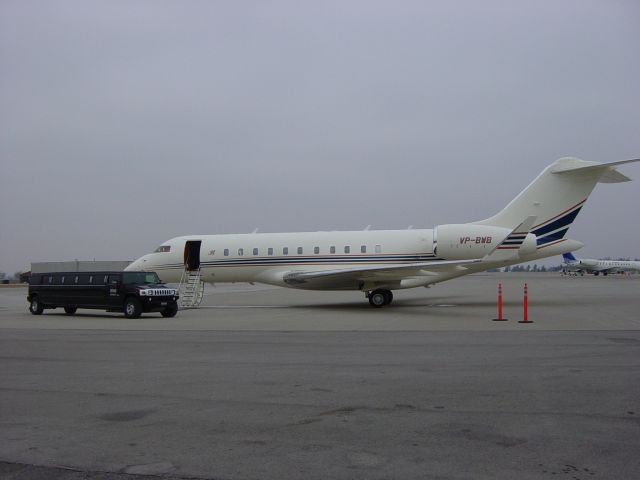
[608, 172]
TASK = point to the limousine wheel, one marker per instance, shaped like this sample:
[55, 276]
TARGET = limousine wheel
[132, 308]
[35, 307]
[70, 310]
[171, 310]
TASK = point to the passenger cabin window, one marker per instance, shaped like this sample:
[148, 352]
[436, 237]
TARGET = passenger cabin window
[285, 250]
[299, 250]
[332, 249]
[270, 251]
[363, 249]
[226, 252]
[255, 251]
[241, 251]
[347, 249]
[316, 250]
[163, 248]
[378, 248]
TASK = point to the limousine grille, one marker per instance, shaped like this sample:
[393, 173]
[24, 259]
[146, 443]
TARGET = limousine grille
[158, 292]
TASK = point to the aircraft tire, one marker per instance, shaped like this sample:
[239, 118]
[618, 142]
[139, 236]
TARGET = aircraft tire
[132, 307]
[389, 296]
[380, 298]
[35, 307]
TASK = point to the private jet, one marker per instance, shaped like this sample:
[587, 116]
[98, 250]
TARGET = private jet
[377, 262]
[597, 267]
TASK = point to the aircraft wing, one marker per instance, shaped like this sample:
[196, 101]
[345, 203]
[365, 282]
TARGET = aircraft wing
[379, 273]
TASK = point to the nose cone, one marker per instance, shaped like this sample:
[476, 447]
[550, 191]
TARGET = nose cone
[137, 265]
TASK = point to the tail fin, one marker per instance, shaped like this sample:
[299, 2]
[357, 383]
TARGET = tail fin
[569, 258]
[556, 197]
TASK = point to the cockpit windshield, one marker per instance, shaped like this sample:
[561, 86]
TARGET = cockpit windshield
[140, 278]
[163, 248]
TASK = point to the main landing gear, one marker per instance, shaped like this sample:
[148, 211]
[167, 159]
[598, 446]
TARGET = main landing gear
[380, 298]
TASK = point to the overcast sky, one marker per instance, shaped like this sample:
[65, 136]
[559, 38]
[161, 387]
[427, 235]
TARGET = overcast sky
[125, 123]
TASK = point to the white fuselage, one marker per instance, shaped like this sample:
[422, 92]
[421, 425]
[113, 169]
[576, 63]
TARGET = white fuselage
[594, 265]
[530, 227]
[268, 257]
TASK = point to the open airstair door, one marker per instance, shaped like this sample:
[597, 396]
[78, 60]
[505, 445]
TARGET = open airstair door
[191, 287]
[192, 255]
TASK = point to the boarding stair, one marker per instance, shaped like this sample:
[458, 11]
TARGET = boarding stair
[191, 289]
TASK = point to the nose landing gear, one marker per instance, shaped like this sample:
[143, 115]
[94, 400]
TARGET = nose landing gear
[380, 298]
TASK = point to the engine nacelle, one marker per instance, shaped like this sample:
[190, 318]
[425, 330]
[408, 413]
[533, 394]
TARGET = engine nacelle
[468, 241]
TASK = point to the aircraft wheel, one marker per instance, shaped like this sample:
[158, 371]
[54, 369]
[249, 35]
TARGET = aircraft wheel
[132, 308]
[604, 273]
[380, 298]
[70, 310]
[596, 273]
[35, 307]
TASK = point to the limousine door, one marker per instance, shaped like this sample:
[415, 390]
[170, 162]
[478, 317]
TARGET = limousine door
[86, 290]
[115, 297]
[99, 290]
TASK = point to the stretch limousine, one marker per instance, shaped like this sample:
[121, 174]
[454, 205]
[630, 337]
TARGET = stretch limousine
[131, 293]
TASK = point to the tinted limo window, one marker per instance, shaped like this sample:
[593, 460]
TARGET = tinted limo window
[141, 278]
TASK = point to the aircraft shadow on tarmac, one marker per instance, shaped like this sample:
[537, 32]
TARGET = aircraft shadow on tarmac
[443, 302]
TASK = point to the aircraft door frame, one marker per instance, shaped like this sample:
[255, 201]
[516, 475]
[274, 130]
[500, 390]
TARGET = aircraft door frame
[192, 254]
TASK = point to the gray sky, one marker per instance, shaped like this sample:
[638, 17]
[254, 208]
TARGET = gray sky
[125, 123]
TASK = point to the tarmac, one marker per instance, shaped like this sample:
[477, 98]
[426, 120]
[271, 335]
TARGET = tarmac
[270, 383]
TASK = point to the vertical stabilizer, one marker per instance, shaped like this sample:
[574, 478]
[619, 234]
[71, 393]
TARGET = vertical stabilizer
[556, 197]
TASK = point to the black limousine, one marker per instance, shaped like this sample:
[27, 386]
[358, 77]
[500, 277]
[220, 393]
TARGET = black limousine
[131, 293]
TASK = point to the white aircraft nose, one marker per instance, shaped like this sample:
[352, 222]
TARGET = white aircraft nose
[137, 265]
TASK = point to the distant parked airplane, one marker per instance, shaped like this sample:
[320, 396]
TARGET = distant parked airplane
[590, 265]
[532, 226]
